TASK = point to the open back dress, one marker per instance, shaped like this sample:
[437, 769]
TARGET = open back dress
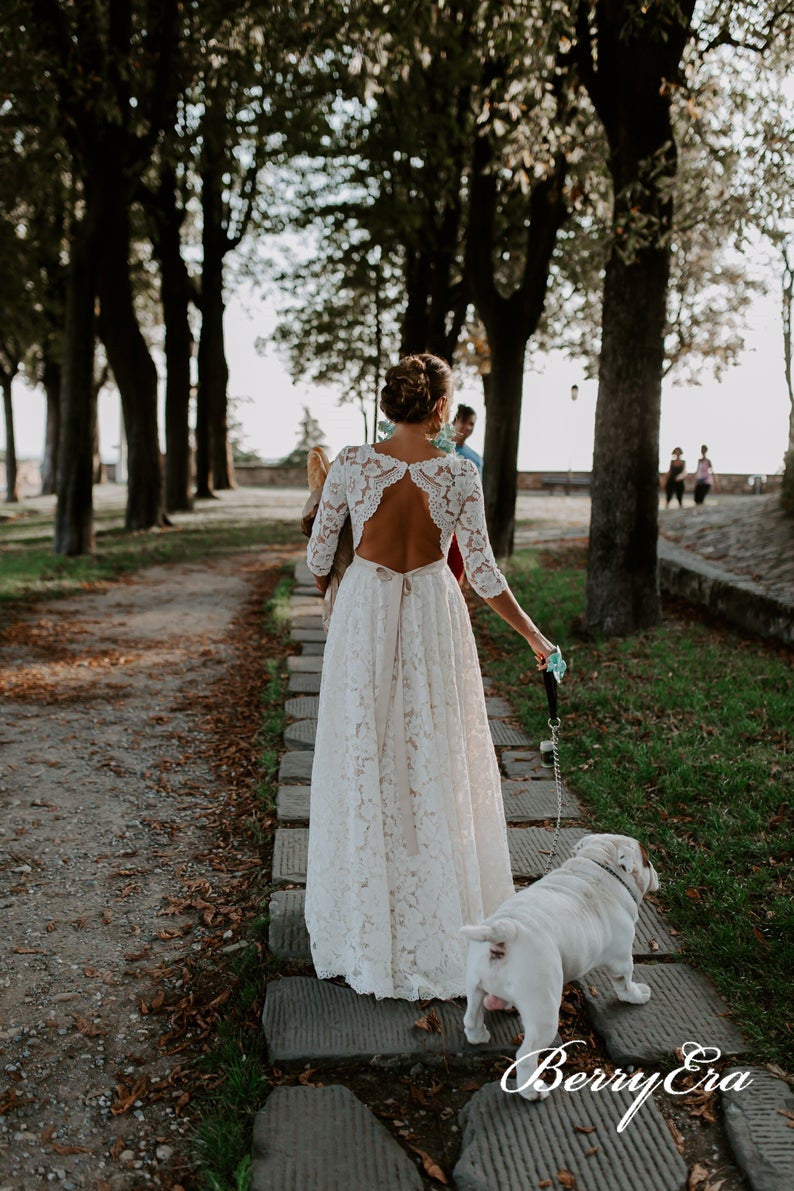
[407, 835]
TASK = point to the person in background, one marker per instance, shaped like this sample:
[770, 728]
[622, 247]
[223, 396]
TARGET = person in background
[674, 480]
[704, 477]
[463, 425]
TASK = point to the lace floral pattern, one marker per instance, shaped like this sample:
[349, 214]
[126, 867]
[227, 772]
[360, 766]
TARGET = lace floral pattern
[386, 920]
[356, 482]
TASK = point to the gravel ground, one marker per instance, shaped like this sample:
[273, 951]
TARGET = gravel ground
[103, 849]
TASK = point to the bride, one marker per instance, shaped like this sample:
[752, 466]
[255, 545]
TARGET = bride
[407, 835]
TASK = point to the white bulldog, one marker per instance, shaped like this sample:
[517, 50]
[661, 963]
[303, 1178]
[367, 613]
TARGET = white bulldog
[580, 916]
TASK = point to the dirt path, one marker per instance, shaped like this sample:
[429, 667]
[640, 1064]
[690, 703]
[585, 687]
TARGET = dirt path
[108, 877]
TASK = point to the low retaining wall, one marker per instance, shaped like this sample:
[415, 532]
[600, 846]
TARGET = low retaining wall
[740, 601]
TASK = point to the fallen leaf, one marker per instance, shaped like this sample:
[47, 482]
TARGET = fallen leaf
[678, 1137]
[698, 1175]
[545, 1183]
[430, 1022]
[87, 1027]
[65, 1150]
[46, 1134]
[589, 1153]
[431, 1166]
[28, 951]
[116, 1148]
[565, 1178]
[584, 1128]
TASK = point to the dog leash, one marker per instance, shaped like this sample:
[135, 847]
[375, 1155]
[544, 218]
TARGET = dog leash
[550, 681]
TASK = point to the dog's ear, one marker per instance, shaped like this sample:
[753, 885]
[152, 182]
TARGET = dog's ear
[627, 857]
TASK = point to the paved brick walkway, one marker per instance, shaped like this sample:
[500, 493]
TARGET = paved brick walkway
[506, 1142]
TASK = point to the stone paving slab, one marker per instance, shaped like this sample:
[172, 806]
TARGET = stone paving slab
[306, 615]
[306, 589]
[302, 572]
[287, 936]
[759, 1133]
[303, 707]
[299, 664]
[325, 1139]
[652, 936]
[511, 1143]
[293, 803]
[527, 844]
[529, 848]
[295, 768]
[289, 855]
[537, 799]
[684, 1007]
[307, 624]
[523, 764]
[502, 734]
[498, 708]
[293, 928]
[300, 735]
[307, 1019]
[318, 636]
[306, 683]
[312, 649]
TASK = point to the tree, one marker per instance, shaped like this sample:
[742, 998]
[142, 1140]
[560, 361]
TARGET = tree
[631, 57]
[310, 434]
[113, 73]
[628, 53]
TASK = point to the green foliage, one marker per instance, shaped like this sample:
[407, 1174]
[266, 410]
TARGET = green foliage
[682, 738]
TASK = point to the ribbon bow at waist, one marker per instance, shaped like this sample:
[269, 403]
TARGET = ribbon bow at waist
[390, 691]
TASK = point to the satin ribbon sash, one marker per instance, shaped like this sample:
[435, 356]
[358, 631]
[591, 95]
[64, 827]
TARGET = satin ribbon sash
[390, 692]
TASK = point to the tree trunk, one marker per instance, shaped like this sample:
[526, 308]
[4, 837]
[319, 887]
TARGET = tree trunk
[627, 76]
[74, 516]
[213, 371]
[622, 581]
[503, 419]
[52, 388]
[175, 294]
[12, 486]
[133, 369]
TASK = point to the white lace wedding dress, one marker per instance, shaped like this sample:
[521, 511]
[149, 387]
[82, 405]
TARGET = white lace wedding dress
[407, 835]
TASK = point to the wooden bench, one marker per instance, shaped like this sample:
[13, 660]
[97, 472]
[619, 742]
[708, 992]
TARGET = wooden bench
[563, 481]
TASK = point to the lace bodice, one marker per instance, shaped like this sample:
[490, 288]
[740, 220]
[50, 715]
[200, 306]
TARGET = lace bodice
[355, 485]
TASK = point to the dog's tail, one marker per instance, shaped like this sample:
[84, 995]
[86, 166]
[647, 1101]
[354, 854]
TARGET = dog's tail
[502, 930]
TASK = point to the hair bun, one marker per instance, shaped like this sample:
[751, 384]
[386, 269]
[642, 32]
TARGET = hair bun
[413, 387]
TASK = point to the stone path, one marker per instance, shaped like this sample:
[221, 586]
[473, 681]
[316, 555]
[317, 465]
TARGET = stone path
[568, 1140]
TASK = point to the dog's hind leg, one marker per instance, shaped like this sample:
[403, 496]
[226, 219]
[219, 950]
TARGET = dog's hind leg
[621, 973]
[474, 1019]
[537, 1039]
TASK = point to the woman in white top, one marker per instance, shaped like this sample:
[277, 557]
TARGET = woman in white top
[407, 837]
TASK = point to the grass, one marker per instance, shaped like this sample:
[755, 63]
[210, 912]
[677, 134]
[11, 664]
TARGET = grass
[29, 569]
[681, 736]
[222, 1136]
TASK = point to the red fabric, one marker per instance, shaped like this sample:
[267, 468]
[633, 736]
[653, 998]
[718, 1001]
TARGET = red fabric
[455, 559]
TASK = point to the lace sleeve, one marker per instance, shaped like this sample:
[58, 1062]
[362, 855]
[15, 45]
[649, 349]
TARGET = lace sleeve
[329, 520]
[478, 559]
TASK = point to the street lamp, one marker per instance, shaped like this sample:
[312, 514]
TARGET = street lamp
[574, 395]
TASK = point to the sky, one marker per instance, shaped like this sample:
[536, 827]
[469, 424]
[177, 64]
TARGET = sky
[743, 418]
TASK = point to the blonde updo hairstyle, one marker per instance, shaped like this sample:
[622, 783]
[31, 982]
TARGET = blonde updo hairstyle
[414, 387]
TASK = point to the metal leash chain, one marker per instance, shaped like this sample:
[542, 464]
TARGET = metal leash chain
[554, 725]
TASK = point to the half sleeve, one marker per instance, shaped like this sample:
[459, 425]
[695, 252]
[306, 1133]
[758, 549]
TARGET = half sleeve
[330, 518]
[478, 559]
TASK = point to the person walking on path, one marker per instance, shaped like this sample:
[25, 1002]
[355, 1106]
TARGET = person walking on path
[704, 477]
[674, 480]
[407, 835]
[463, 425]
